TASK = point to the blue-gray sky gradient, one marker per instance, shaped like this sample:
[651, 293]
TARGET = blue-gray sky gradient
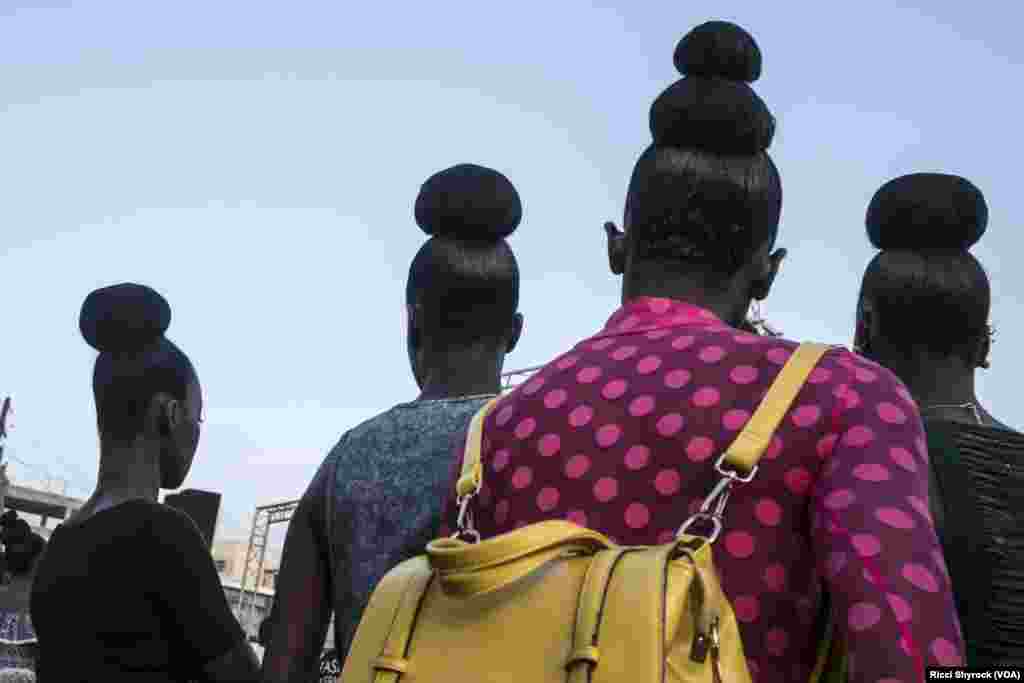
[257, 163]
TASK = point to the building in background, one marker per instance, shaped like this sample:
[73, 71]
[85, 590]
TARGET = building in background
[229, 557]
[261, 606]
[42, 509]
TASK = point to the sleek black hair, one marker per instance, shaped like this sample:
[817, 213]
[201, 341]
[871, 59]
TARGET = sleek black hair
[126, 324]
[927, 289]
[465, 279]
[705, 193]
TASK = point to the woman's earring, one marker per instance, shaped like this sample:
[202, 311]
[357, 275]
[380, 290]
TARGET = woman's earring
[756, 320]
[985, 364]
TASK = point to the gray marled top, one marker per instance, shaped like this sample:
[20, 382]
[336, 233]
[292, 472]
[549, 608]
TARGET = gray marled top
[384, 487]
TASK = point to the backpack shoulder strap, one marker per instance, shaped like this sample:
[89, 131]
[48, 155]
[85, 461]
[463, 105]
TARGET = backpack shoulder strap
[472, 475]
[742, 455]
[751, 443]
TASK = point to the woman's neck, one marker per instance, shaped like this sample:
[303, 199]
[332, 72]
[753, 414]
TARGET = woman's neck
[433, 391]
[724, 304]
[938, 384]
[129, 471]
[944, 392]
[451, 375]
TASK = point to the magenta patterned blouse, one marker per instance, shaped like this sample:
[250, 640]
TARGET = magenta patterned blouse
[620, 435]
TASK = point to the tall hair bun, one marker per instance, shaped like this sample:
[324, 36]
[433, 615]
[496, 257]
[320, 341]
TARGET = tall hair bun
[470, 203]
[124, 318]
[713, 108]
[927, 211]
[719, 49]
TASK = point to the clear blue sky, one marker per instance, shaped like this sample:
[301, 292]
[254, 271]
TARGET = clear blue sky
[257, 163]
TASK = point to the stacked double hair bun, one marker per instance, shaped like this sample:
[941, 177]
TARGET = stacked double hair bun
[469, 203]
[124, 318]
[927, 211]
[713, 108]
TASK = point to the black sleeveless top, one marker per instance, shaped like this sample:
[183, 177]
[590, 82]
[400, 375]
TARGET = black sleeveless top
[130, 594]
[977, 498]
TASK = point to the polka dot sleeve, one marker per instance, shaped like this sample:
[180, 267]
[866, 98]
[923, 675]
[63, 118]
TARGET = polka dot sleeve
[874, 538]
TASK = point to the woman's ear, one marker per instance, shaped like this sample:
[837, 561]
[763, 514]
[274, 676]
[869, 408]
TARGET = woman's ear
[174, 413]
[159, 415]
[413, 327]
[616, 248]
[865, 327]
[762, 285]
[517, 332]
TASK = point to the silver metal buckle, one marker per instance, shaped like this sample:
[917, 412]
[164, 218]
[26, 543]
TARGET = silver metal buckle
[716, 523]
[720, 493]
[713, 507]
[718, 497]
[733, 474]
[464, 522]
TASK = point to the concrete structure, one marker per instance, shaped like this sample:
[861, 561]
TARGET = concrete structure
[37, 506]
[229, 556]
[26, 500]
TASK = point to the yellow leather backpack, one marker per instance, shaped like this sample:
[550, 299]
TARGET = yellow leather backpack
[556, 602]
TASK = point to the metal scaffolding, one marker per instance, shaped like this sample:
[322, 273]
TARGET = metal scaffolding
[265, 517]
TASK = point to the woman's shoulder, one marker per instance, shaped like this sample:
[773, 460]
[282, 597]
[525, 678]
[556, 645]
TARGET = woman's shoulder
[863, 373]
[996, 439]
[104, 513]
[126, 520]
[844, 383]
[407, 428]
[165, 518]
[837, 368]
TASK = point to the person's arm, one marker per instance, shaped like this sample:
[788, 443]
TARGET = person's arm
[874, 539]
[188, 589]
[303, 605]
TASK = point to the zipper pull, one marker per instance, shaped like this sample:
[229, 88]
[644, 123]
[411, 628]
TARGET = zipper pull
[716, 671]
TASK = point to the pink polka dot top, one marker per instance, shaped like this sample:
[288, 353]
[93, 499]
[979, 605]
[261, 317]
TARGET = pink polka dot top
[620, 435]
